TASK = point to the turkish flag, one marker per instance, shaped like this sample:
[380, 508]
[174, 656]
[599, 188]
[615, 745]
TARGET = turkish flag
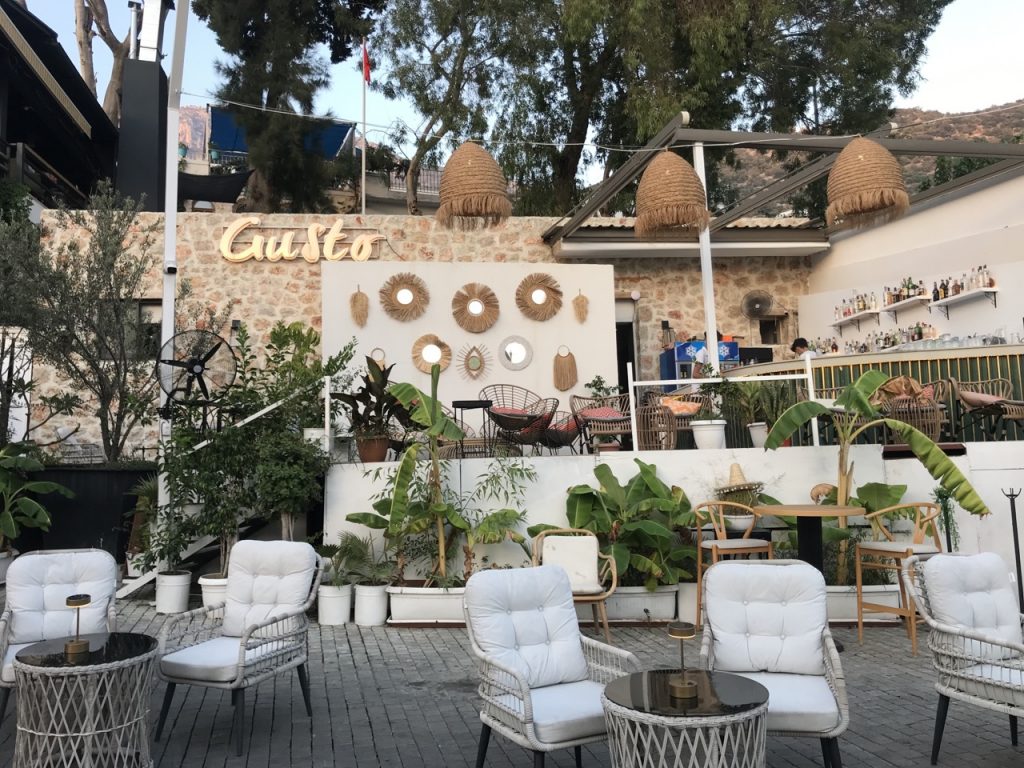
[366, 63]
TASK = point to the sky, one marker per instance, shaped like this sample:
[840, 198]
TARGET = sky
[974, 61]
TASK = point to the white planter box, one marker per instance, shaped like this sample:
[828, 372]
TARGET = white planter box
[686, 602]
[426, 605]
[842, 602]
[636, 604]
[334, 605]
[371, 605]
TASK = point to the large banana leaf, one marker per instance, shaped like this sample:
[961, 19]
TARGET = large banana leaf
[789, 422]
[939, 466]
[426, 411]
[857, 396]
[649, 473]
[610, 485]
[649, 527]
[876, 496]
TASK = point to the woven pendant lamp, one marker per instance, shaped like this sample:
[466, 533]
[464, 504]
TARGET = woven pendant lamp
[865, 186]
[669, 196]
[473, 190]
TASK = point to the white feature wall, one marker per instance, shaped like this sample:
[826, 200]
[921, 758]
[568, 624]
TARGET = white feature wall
[591, 343]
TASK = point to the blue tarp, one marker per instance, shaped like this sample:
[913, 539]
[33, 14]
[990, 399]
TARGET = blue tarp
[230, 137]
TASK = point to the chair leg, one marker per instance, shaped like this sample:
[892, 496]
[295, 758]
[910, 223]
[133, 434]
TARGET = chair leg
[481, 747]
[238, 701]
[700, 576]
[1013, 729]
[597, 619]
[940, 724]
[538, 760]
[164, 708]
[603, 610]
[835, 759]
[304, 684]
[5, 693]
[826, 757]
[577, 752]
[858, 570]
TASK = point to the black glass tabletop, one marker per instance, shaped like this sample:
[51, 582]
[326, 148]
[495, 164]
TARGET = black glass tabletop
[104, 648]
[717, 693]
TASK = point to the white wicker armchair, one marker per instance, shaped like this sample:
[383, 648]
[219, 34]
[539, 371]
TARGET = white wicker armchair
[976, 635]
[766, 620]
[38, 583]
[540, 680]
[260, 632]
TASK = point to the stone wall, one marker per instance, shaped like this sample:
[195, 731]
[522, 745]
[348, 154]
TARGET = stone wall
[266, 292]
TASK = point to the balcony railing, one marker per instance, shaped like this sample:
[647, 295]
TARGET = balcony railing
[22, 165]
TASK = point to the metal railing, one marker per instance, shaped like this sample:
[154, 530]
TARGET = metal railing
[23, 165]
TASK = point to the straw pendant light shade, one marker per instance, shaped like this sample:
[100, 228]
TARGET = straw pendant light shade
[669, 196]
[473, 190]
[865, 186]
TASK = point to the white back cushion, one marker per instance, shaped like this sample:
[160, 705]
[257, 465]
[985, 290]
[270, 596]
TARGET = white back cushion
[524, 618]
[265, 579]
[974, 592]
[39, 583]
[578, 556]
[766, 618]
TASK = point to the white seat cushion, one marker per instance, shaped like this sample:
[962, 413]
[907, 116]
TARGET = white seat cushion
[735, 544]
[568, 711]
[900, 547]
[265, 579]
[578, 556]
[802, 703]
[213, 661]
[8, 670]
[524, 619]
[1009, 691]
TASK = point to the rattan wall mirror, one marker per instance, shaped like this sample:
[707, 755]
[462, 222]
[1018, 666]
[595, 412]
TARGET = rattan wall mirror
[515, 353]
[404, 296]
[538, 296]
[475, 307]
[473, 361]
[429, 349]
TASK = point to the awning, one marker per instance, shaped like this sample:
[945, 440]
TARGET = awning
[229, 136]
[222, 188]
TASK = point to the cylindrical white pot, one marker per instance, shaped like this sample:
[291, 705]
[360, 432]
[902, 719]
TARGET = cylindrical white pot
[172, 591]
[371, 605]
[686, 606]
[709, 435]
[334, 605]
[758, 433]
[215, 590]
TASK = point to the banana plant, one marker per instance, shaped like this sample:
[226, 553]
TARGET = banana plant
[17, 507]
[853, 416]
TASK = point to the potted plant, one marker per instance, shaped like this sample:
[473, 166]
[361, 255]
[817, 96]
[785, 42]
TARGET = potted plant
[288, 477]
[774, 398]
[168, 539]
[20, 509]
[182, 149]
[370, 409]
[146, 495]
[334, 596]
[371, 570]
[708, 426]
[214, 152]
[747, 401]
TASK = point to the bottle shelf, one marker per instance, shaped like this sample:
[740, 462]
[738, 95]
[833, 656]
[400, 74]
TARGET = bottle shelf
[899, 306]
[943, 305]
[855, 319]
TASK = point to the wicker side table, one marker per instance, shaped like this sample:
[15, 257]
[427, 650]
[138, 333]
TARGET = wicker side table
[722, 727]
[92, 713]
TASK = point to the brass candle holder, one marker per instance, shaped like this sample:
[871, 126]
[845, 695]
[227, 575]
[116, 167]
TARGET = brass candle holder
[679, 686]
[77, 650]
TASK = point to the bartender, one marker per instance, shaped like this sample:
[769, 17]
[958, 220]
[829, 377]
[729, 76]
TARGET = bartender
[703, 357]
[801, 349]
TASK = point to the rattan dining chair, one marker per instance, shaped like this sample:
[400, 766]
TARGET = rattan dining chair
[601, 416]
[655, 428]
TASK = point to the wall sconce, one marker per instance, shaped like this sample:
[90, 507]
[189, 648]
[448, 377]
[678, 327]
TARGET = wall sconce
[679, 687]
[77, 650]
[236, 325]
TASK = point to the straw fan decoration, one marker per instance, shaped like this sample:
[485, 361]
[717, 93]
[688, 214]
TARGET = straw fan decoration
[473, 361]
[359, 304]
[473, 190]
[429, 349]
[539, 297]
[865, 186]
[565, 369]
[669, 196]
[581, 307]
[475, 307]
[404, 296]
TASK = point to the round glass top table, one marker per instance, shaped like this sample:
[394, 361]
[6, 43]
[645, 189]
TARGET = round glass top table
[91, 710]
[722, 726]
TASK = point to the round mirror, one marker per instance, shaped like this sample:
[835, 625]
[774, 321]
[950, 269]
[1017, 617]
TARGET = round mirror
[429, 350]
[431, 353]
[404, 296]
[539, 296]
[515, 353]
[475, 307]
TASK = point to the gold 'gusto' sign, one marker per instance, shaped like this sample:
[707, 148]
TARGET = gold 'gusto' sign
[336, 244]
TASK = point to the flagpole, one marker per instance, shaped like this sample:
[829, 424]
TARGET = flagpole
[362, 184]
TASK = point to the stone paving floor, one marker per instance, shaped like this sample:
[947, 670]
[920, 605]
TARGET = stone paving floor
[407, 698]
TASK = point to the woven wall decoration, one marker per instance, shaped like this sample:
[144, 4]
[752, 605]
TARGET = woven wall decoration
[669, 196]
[539, 297]
[515, 353]
[474, 361]
[581, 307]
[404, 296]
[429, 349]
[377, 355]
[565, 369]
[359, 304]
[475, 307]
[865, 186]
[473, 190]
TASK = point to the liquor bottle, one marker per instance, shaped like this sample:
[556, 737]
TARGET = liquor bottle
[963, 283]
[990, 281]
[918, 332]
[973, 280]
[935, 291]
[874, 301]
[942, 290]
[835, 346]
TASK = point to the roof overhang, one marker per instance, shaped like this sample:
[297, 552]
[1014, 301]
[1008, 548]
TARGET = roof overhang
[603, 243]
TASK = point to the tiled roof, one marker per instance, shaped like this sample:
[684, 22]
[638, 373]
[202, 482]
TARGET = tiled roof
[747, 222]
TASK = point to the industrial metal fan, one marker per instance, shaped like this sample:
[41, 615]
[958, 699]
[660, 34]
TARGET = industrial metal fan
[756, 304]
[196, 367]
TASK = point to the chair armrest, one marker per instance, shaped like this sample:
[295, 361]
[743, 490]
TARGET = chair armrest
[606, 662]
[111, 616]
[190, 628]
[272, 642]
[608, 567]
[707, 648]
[948, 646]
[506, 694]
[5, 632]
[836, 680]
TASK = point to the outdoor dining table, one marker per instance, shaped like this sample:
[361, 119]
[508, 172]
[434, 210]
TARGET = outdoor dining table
[808, 525]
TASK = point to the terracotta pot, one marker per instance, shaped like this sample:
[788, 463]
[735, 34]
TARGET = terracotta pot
[372, 448]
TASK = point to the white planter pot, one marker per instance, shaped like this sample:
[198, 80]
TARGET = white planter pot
[709, 435]
[334, 605]
[737, 522]
[636, 604]
[172, 591]
[842, 602]
[686, 602]
[371, 605]
[215, 590]
[426, 605]
[758, 433]
[131, 564]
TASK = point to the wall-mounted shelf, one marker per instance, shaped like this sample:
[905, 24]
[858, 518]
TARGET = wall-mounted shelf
[899, 306]
[855, 320]
[943, 305]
